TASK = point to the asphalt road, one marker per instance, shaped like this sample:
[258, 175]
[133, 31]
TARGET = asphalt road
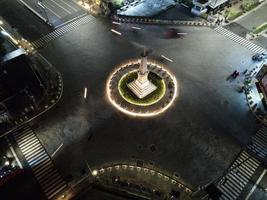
[95, 194]
[55, 13]
[197, 137]
[254, 18]
[24, 21]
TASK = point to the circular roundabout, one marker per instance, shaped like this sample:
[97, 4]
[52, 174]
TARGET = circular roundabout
[141, 88]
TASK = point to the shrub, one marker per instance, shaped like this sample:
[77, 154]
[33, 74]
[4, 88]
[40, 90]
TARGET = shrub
[260, 28]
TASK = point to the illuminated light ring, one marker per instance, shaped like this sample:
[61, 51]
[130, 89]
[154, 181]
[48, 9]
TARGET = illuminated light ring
[140, 114]
[146, 170]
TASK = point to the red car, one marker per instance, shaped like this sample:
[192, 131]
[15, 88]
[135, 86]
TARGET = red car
[173, 33]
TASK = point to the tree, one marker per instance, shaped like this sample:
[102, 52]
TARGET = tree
[105, 6]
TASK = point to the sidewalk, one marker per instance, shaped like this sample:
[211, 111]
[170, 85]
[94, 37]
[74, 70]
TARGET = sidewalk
[141, 180]
[148, 20]
[252, 94]
[50, 80]
[134, 179]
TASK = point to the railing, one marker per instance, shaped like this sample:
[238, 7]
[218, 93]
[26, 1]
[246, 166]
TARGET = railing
[149, 20]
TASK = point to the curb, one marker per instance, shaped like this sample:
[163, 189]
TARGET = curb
[186, 6]
[56, 97]
[247, 92]
[151, 171]
[36, 13]
[147, 20]
[247, 13]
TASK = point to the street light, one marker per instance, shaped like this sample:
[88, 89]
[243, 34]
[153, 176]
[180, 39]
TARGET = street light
[94, 172]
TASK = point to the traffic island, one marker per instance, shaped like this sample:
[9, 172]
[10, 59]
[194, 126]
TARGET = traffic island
[150, 99]
[141, 88]
[139, 182]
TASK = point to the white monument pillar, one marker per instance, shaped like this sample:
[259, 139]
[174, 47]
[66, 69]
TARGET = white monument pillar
[142, 87]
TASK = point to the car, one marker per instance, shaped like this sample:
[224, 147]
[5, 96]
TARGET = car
[171, 33]
[259, 57]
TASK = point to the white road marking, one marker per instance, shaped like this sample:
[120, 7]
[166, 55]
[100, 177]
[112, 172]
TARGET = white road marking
[242, 41]
[117, 23]
[61, 6]
[166, 58]
[116, 32]
[14, 153]
[68, 5]
[256, 184]
[85, 93]
[34, 11]
[60, 146]
[43, 168]
[137, 28]
[62, 30]
[52, 11]
[71, 20]
[181, 33]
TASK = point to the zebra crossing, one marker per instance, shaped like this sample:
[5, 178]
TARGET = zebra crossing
[250, 45]
[259, 143]
[61, 31]
[40, 162]
[237, 176]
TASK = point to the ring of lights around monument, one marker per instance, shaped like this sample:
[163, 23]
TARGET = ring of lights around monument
[115, 98]
[128, 96]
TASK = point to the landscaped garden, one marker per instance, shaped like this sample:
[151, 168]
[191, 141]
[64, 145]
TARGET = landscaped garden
[150, 99]
[240, 8]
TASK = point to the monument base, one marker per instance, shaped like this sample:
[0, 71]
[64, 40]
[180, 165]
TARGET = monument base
[141, 90]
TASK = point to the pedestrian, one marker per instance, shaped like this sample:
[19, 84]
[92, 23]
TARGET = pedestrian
[234, 72]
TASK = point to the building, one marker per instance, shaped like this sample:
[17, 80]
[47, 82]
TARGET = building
[202, 6]
[21, 86]
[262, 84]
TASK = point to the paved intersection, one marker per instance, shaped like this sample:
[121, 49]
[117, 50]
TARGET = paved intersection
[62, 30]
[242, 41]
